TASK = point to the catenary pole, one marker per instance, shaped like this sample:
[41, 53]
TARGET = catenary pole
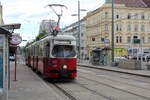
[79, 34]
[112, 32]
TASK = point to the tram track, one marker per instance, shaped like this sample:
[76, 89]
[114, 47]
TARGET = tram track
[95, 92]
[125, 77]
[123, 82]
[71, 97]
[65, 92]
[61, 87]
[119, 89]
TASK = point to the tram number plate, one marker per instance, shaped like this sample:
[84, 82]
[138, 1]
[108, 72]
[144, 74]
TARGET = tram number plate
[64, 71]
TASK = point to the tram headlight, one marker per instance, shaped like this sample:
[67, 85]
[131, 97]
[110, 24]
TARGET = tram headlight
[65, 67]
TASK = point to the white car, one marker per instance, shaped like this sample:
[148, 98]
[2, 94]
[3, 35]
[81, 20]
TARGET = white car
[146, 57]
[118, 58]
[12, 58]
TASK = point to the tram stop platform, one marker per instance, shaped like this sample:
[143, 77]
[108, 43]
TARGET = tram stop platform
[144, 72]
[29, 86]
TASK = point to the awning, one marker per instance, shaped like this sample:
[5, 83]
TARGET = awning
[11, 26]
[4, 31]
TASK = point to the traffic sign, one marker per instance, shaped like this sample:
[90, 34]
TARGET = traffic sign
[16, 39]
[107, 42]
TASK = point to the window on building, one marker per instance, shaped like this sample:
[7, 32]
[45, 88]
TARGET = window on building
[82, 34]
[142, 28]
[149, 16]
[117, 39]
[120, 27]
[117, 16]
[142, 16]
[135, 27]
[135, 37]
[148, 39]
[129, 28]
[93, 39]
[129, 15]
[106, 27]
[106, 14]
[148, 28]
[117, 27]
[136, 16]
[120, 39]
[142, 39]
[129, 39]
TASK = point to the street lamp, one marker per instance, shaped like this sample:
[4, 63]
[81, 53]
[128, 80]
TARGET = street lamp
[79, 34]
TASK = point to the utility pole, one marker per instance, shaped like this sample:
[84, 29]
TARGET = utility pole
[79, 29]
[112, 53]
[79, 34]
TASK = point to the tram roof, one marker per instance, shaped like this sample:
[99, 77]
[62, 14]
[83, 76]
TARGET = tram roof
[60, 37]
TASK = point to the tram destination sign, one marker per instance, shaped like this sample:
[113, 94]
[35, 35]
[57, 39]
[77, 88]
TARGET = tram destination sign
[62, 42]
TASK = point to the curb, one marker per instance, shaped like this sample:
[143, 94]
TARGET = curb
[132, 73]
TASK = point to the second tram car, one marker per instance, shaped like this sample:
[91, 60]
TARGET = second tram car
[53, 56]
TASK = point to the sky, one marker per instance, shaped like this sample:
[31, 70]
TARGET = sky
[31, 12]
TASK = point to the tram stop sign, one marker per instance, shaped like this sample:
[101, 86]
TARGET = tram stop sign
[16, 39]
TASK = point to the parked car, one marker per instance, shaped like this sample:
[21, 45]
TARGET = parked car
[118, 58]
[12, 58]
[144, 57]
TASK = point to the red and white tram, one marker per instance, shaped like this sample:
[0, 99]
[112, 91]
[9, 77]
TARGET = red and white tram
[53, 56]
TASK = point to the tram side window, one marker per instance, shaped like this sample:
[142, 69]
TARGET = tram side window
[46, 49]
[40, 51]
[63, 51]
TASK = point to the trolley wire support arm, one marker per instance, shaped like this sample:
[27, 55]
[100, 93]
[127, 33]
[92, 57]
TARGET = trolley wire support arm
[56, 30]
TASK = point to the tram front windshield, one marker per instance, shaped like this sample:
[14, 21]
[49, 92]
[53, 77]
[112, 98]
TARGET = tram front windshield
[64, 51]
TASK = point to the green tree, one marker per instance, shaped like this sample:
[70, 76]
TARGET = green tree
[40, 35]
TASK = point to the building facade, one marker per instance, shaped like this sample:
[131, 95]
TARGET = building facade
[1, 14]
[131, 21]
[73, 30]
[47, 25]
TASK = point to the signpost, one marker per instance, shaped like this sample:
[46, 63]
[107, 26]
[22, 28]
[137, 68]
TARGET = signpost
[16, 39]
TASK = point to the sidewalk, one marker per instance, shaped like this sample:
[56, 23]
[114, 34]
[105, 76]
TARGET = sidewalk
[29, 86]
[145, 73]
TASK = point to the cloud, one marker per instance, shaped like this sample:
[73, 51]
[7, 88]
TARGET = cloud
[15, 15]
[31, 12]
